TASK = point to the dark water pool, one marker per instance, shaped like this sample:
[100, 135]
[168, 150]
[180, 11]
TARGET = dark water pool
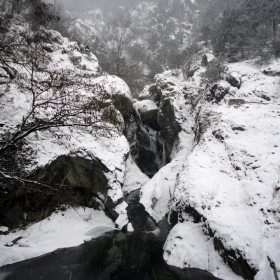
[115, 255]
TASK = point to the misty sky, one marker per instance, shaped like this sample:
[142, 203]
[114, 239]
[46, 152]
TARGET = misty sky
[79, 5]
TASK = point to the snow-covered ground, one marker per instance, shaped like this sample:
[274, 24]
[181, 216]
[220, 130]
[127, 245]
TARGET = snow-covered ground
[61, 230]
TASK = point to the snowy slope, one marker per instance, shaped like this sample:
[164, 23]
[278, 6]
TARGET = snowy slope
[53, 233]
[227, 185]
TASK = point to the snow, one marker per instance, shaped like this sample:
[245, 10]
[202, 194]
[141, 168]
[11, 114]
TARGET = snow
[232, 182]
[42, 147]
[134, 178]
[230, 177]
[62, 229]
[114, 85]
[130, 228]
[122, 219]
[157, 193]
[210, 57]
[145, 106]
[191, 248]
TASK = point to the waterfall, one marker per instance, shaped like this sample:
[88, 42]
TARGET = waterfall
[148, 148]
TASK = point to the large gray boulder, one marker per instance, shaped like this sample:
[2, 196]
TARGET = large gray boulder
[148, 111]
[87, 176]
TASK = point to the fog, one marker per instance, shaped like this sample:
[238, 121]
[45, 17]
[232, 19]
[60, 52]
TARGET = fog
[77, 6]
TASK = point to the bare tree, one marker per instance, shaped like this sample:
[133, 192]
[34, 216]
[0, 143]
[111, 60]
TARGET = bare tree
[57, 97]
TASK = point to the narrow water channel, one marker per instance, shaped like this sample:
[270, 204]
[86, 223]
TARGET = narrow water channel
[116, 255]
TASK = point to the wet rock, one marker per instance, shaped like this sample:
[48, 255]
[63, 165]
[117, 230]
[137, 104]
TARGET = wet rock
[140, 218]
[235, 260]
[83, 178]
[77, 172]
[168, 123]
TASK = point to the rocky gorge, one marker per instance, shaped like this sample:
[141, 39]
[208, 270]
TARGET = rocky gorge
[208, 165]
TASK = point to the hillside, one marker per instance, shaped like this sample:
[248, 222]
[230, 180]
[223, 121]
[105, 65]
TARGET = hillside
[192, 162]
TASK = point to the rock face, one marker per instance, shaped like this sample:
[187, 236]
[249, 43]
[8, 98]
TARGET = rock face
[151, 93]
[221, 191]
[82, 163]
[77, 172]
[168, 123]
[123, 104]
[148, 149]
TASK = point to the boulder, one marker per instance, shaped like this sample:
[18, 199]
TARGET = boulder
[119, 93]
[89, 178]
[14, 217]
[234, 79]
[206, 59]
[216, 92]
[148, 111]
[237, 127]
[4, 230]
[272, 73]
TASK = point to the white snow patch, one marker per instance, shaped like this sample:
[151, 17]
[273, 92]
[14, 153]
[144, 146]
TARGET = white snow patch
[134, 178]
[187, 246]
[145, 106]
[62, 229]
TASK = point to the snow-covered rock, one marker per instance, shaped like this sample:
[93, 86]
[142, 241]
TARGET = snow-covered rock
[134, 179]
[102, 141]
[148, 111]
[234, 79]
[225, 194]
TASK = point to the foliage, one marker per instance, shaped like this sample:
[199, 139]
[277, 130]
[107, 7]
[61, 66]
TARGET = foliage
[215, 70]
[247, 29]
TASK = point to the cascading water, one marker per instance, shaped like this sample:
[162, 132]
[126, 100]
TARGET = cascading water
[148, 148]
